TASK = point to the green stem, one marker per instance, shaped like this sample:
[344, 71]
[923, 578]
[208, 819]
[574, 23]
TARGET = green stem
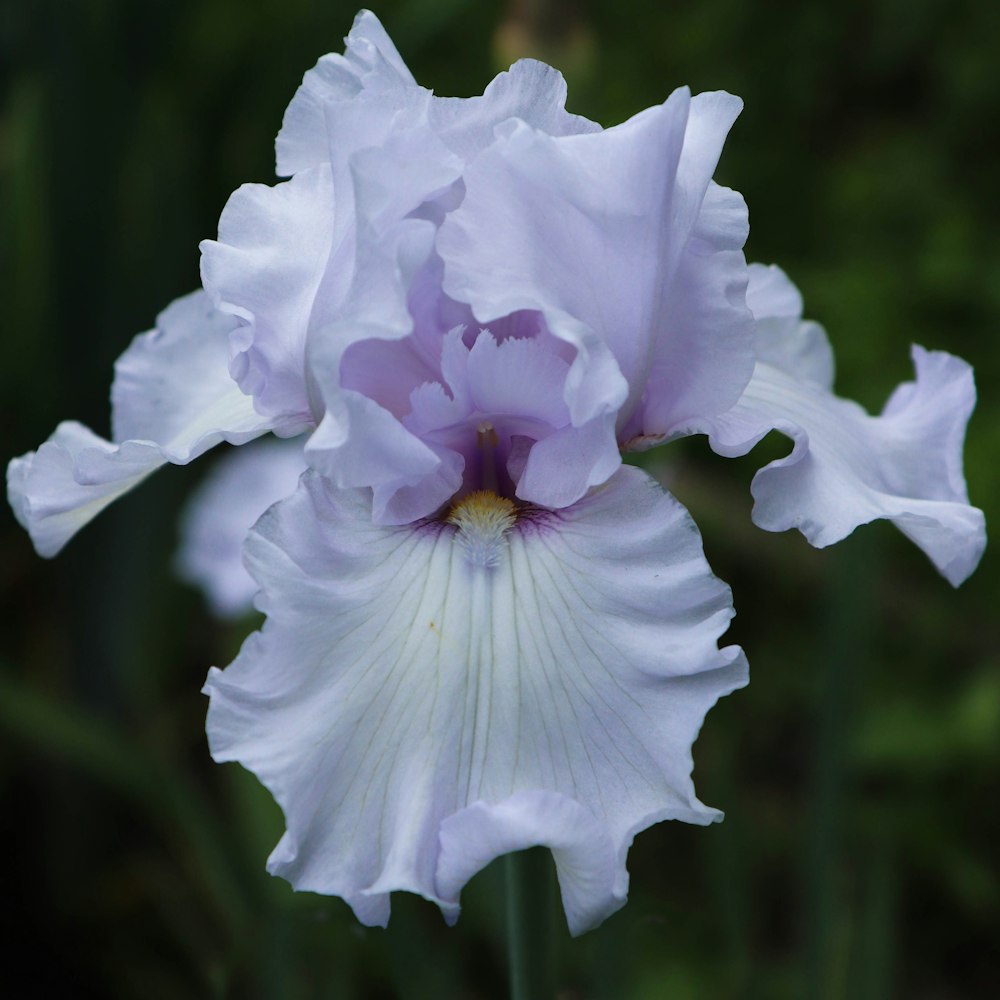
[845, 650]
[517, 943]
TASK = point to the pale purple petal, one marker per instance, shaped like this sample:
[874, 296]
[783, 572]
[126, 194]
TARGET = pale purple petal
[369, 122]
[267, 268]
[405, 690]
[848, 468]
[516, 384]
[53, 500]
[219, 515]
[511, 395]
[368, 446]
[591, 230]
[375, 309]
[530, 91]
[388, 371]
[372, 68]
[563, 466]
[371, 62]
[172, 386]
[172, 393]
[783, 339]
[522, 377]
[704, 355]
[408, 167]
[403, 501]
[391, 250]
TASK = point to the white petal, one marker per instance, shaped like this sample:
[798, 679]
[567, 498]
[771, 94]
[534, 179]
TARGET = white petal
[172, 392]
[415, 712]
[585, 857]
[848, 468]
[219, 515]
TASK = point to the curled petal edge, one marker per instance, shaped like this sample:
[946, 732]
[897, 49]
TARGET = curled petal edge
[847, 468]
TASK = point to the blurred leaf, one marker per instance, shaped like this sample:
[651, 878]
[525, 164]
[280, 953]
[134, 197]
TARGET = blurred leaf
[913, 735]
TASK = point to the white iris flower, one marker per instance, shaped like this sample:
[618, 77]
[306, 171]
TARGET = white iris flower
[483, 632]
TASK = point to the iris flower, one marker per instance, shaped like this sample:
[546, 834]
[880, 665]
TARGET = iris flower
[483, 632]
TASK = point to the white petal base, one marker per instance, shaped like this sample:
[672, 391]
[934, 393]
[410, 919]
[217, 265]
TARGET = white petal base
[416, 712]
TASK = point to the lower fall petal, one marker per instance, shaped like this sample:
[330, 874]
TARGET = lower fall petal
[218, 516]
[592, 882]
[418, 704]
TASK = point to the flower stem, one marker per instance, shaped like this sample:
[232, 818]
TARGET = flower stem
[517, 943]
[529, 886]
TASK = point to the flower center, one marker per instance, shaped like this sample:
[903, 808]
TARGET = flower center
[483, 519]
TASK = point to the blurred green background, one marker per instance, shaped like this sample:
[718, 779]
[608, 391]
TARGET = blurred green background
[860, 771]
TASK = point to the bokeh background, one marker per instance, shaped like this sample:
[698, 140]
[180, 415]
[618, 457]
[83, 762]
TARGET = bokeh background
[860, 771]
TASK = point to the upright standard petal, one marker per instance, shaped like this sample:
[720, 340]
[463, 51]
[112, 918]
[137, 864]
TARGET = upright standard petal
[371, 67]
[423, 698]
[268, 269]
[592, 232]
[172, 399]
[360, 441]
[530, 91]
[848, 468]
[371, 62]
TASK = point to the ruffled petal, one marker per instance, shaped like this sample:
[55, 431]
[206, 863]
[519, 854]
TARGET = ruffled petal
[368, 446]
[563, 466]
[592, 882]
[172, 394]
[70, 479]
[372, 67]
[172, 386]
[784, 340]
[530, 91]
[219, 515]
[358, 437]
[848, 468]
[422, 698]
[370, 62]
[267, 268]
[704, 357]
[590, 230]
[408, 167]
